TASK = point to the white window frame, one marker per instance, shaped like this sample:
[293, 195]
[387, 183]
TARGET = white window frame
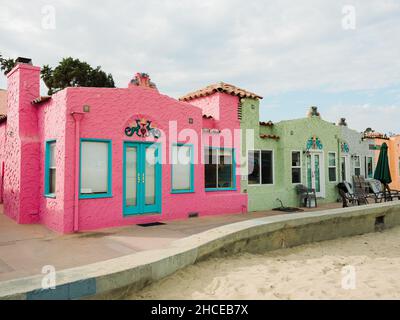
[330, 167]
[296, 167]
[273, 168]
[354, 164]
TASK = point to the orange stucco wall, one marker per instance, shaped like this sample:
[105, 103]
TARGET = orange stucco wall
[394, 158]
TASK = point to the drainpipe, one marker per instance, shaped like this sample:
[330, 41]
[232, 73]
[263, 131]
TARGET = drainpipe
[77, 117]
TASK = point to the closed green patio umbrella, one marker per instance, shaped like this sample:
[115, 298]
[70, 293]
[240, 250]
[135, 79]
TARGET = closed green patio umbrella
[382, 171]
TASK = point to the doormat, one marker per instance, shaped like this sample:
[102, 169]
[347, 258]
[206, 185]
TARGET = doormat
[288, 209]
[152, 224]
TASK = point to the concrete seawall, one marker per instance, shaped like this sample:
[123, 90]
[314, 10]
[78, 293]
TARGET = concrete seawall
[114, 278]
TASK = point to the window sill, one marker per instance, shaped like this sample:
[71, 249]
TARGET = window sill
[50, 195]
[181, 191]
[95, 196]
[219, 189]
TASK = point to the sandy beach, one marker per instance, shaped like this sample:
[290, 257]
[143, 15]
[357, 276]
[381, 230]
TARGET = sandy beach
[315, 271]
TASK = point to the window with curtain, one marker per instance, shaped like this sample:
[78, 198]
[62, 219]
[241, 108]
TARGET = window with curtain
[50, 175]
[296, 167]
[219, 168]
[260, 167]
[182, 168]
[95, 168]
[332, 166]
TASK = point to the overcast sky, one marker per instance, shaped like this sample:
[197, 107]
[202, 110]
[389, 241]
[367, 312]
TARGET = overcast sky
[293, 53]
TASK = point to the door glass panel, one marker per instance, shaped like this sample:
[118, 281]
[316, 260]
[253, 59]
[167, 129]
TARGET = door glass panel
[131, 176]
[309, 173]
[150, 176]
[317, 173]
[343, 167]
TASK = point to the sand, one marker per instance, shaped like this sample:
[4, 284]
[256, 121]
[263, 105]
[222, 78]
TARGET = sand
[307, 272]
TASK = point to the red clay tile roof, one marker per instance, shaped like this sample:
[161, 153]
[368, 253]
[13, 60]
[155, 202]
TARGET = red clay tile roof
[3, 118]
[41, 99]
[267, 124]
[220, 87]
[375, 135]
[269, 136]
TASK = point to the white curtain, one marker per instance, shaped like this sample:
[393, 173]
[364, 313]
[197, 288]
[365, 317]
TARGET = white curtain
[94, 167]
[181, 167]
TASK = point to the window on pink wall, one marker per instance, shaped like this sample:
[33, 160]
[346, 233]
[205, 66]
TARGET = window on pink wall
[96, 168]
[50, 169]
[219, 169]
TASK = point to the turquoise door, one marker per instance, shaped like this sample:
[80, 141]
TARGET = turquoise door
[141, 178]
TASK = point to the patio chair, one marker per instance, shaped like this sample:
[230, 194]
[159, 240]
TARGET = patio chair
[364, 185]
[347, 194]
[390, 193]
[307, 195]
[361, 190]
[378, 193]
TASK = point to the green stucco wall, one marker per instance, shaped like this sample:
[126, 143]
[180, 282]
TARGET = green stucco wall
[293, 137]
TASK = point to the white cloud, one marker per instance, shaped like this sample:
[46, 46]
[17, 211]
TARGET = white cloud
[359, 117]
[269, 47]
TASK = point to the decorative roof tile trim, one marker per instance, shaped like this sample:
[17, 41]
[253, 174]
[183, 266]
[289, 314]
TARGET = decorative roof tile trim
[3, 118]
[220, 87]
[375, 135]
[267, 124]
[269, 136]
[41, 99]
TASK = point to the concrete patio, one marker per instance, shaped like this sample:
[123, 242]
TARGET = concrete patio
[25, 249]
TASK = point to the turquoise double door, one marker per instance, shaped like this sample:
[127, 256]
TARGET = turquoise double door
[141, 178]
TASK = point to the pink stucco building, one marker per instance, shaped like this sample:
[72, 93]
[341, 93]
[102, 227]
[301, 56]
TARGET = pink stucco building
[89, 158]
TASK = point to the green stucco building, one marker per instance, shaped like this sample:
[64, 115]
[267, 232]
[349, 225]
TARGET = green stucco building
[282, 155]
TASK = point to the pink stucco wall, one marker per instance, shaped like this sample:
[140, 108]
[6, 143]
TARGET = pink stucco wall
[21, 197]
[3, 128]
[111, 109]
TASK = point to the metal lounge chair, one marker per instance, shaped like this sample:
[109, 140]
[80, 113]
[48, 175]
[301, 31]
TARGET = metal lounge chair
[360, 189]
[347, 194]
[307, 195]
[390, 193]
[378, 193]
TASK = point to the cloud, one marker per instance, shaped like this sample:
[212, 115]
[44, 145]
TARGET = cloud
[269, 47]
[385, 118]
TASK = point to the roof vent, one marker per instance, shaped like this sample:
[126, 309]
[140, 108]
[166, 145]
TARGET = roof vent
[142, 80]
[342, 122]
[313, 112]
[23, 60]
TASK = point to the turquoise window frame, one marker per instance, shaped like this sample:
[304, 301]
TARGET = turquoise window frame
[191, 190]
[107, 194]
[233, 188]
[47, 194]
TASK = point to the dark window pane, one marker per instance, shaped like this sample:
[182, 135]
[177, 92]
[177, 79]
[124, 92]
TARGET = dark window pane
[52, 180]
[266, 167]
[357, 171]
[332, 174]
[254, 167]
[225, 169]
[296, 175]
[210, 168]
[296, 159]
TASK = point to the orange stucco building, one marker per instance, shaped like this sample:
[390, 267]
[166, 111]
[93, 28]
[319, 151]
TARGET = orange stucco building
[393, 144]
